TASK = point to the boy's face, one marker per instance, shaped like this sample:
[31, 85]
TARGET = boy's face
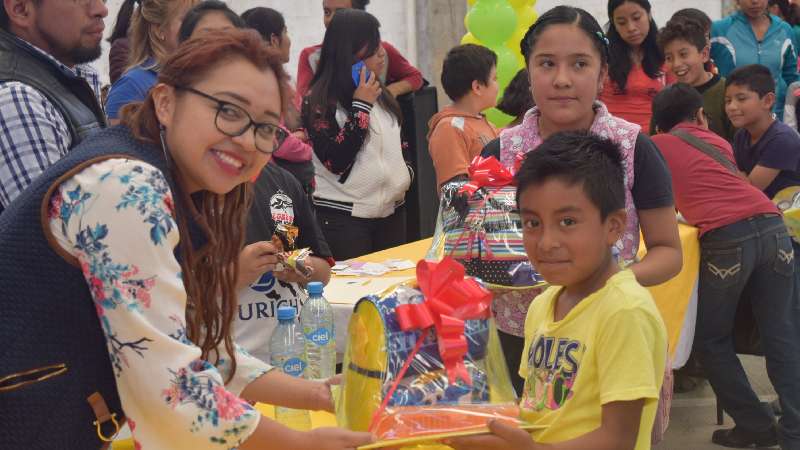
[563, 234]
[686, 62]
[744, 107]
[488, 92]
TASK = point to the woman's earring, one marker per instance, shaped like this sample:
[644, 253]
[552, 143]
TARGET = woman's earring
[162, 134]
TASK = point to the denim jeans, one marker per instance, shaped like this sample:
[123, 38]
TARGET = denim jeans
[755, 257]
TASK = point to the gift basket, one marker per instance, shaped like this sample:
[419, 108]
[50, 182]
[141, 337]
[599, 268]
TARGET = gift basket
[480, 227]
[423, 360]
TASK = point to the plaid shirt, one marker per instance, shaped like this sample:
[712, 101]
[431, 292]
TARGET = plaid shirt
[33, 133]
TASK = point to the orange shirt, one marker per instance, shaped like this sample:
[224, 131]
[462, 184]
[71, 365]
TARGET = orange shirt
[455, 138]
[636, 104]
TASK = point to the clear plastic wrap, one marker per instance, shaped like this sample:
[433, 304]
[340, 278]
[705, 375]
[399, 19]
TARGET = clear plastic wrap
[788, 201]
[423, 360]
[480, 227]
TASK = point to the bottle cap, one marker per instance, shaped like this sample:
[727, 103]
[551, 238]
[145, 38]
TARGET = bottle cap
[315, 288]
[286, 313]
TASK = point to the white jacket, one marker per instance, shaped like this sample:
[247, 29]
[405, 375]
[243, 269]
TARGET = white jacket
[379, 178]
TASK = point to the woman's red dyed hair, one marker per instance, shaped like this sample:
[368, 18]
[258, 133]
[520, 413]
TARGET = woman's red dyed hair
[209, 273]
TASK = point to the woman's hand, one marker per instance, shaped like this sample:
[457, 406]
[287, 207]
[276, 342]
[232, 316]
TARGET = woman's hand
[337, 439]
[254, 260]
[322, 394]
[368, 89]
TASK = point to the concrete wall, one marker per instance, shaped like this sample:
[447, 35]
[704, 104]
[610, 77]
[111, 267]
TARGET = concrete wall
[422, 29]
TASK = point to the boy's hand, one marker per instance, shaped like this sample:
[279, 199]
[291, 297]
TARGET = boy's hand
[503, 437]
[254, 260]
[289, 275]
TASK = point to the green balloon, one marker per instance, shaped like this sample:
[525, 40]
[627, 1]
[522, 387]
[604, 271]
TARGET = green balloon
[508, 64]
[498, 118]
[492, 21]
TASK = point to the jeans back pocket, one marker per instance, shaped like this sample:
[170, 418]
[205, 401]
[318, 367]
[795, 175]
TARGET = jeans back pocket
[722, 267]
[784, 262]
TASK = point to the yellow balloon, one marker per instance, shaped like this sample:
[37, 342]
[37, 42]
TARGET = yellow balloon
[525, 17]
[516, 38]
[470, 38]
[470, 2]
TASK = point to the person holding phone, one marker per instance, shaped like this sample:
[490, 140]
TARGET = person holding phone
[354, 129]
[398, 74]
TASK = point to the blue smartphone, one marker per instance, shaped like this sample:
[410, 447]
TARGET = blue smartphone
[357, 73]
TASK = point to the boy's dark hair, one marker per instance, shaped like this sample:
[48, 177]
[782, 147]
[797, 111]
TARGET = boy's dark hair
[463, 65]
[266, 21]
[565, 15]
[578, 157]
[755, 77]
[517, 98]
[619, 52]
[695, 15]
[688, 30]
[360, 4]
[198, 11]
[676, 103]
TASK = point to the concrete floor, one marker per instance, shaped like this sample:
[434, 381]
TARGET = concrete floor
[693, 416]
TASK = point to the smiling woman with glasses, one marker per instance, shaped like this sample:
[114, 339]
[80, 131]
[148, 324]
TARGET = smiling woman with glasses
[234, 121]
[126, 251]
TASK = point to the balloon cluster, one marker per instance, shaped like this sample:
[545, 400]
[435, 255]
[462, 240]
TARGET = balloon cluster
[500, 25]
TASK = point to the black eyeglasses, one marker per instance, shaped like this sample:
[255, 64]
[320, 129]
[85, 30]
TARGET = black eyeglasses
[231, 120]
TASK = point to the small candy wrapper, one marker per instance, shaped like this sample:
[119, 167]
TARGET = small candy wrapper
[296, 260]
[286, 235]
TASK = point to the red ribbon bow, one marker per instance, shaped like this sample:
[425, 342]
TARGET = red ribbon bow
[450, 299]
[486, 172]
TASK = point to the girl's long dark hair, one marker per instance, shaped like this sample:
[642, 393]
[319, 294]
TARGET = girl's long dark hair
[350, 32]
[620, 63]
[123, 20]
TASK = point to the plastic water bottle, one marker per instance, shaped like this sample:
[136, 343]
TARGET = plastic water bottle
[317, 321]
[287, 350]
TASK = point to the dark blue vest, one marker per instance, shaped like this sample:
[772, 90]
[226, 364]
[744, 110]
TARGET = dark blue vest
[53, 354]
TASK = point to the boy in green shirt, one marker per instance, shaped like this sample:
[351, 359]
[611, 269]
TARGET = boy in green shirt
[686, 52]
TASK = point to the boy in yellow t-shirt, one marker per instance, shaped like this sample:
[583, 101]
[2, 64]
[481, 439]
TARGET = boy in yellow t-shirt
[595, 344]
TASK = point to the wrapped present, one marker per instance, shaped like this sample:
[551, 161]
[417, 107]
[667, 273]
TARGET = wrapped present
[424, 360]
[480, 227]
[788, 201]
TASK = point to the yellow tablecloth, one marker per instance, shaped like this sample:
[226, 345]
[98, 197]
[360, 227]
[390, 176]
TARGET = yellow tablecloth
[672, 297]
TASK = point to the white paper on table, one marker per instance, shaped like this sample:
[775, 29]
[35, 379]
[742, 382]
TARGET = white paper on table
[400, 264]
[349, 290]
[374, 269]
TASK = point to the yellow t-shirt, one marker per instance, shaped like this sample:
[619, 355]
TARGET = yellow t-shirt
[611, 347]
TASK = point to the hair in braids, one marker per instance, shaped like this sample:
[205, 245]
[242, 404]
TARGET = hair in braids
[209, 272]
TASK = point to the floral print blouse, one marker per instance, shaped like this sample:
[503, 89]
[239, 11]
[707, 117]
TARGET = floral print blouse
[116, 218]
[337, 134]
